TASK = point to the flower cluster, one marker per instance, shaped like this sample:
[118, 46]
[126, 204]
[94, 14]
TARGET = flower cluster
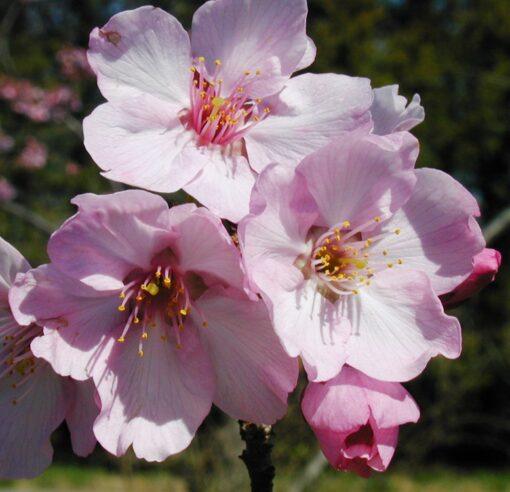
[344, 254]
[73, 63]
[38, 104]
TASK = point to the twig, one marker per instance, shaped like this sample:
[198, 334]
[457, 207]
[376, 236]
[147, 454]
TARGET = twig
[257, 455]
[497, 225]
[311, 472]
[28, 216]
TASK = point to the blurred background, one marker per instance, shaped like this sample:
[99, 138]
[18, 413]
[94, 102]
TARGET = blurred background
[456, 55]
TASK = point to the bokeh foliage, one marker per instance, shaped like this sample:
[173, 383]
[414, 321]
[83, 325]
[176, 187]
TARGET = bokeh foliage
[456, 55]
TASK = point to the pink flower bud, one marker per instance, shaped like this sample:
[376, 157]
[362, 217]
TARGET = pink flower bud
[485, 267]
[356, 419]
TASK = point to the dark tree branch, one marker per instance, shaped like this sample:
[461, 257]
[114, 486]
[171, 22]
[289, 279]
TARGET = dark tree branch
[257, 455]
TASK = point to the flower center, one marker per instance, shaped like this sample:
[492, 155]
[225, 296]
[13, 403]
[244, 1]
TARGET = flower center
[17, 363]
[344, 261]
[218, 118]
[159, 295]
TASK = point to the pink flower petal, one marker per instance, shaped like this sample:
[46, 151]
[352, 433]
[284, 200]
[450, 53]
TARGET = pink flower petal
[265, 35]
[77, 318]
[254, 375]
[398, 325]
[306, 115]
[142, 51]
[361, 176]
[110, 236]
[310, 326]
[80, 417]
[390, 112]
[224, 185]
[309, 56]
[140, 142]
[27, 425]
[204, 247]
[282, 212]
[155, 402]
[11, 263]
[438, 233]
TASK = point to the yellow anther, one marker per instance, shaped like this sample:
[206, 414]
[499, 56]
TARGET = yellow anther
[122, 295]
[267, 110]
[256, 118]
[158, 274]
[385, 252]
[145, 336]
[377, 219]
[140, 353]
[201, 59]
[355, 291]
[247, 72]
[136, 320]
[365, 255]
[258, 72]
[346, 224]
[152, 289]
[139, 298]
[368, 242]
[390, 265]
[240, 90]
[217, 102]
[217, 62]
[205, 324]
[121, 339]
[400, 261]
[183, 312]
[258, 100]
[192, 69]
[397, 231]
[121, 307]
[167, 281]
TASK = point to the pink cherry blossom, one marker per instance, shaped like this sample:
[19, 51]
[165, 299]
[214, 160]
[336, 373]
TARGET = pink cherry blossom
[33, 399]
[38, 104]
[205, 115]
[151, 303]
[34, 155]
[391, 113]
[352, 248]
[7, 191]
[356, 419]
[485, 267]
[73, 63]
[6, 142]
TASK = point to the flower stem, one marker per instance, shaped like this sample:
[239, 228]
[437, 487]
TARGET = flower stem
[257, 455]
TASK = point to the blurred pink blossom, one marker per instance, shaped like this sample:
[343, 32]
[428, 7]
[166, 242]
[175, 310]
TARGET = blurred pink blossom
[73, 63]
[34, 155]
[72, 168]
[7, 191]
[38, 104]
[6, 142]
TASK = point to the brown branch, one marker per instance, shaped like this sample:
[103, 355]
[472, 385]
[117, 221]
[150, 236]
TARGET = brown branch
[257, 455]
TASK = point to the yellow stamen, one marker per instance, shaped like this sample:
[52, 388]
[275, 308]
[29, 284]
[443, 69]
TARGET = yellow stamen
[152, 289]
[122, 308]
